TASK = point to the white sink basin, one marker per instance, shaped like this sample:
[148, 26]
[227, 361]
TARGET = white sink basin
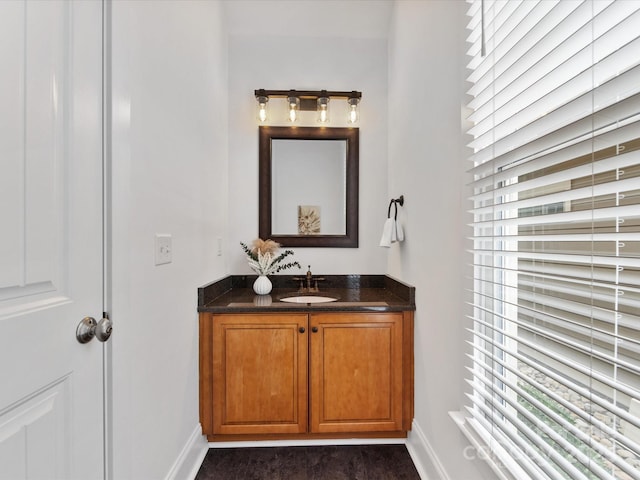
[308, 299]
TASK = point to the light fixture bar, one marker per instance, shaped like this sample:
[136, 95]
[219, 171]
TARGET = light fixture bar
[308, 98]
[309, 94]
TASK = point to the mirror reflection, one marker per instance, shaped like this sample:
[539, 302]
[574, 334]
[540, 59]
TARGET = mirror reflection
[308, 186]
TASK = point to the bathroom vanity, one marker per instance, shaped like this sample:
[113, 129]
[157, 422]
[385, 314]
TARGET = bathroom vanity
[276, 370]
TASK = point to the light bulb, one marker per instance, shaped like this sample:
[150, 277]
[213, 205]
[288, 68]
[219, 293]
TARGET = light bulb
[262, 112]
[262, 106]
[323, 109]
[353, 115]
[294, 104]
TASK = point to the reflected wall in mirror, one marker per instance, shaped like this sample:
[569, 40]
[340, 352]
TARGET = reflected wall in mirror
[308, 190]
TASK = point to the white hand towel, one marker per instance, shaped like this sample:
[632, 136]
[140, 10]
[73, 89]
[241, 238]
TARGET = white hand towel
[399, 232]
[387, 232]
[394, 232]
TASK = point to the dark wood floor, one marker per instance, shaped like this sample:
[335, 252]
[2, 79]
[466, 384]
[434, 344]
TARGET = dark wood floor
[362, 462]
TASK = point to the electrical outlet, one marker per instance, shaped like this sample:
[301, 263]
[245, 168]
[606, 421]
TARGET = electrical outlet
[163, 249]
[219, 246]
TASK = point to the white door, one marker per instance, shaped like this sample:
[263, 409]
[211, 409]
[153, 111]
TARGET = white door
[51, 386]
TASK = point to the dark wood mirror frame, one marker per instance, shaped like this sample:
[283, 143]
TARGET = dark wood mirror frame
[351, 135]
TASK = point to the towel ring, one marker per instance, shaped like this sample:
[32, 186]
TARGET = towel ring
[395, 202]
[392, 202]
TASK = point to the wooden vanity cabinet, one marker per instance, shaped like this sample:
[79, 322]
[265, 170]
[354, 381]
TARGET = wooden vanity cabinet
[310, 374]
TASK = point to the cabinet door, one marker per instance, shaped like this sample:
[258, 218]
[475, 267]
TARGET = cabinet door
[356, 372]
[260, 374]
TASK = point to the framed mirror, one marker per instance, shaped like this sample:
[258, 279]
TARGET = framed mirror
[308, 186]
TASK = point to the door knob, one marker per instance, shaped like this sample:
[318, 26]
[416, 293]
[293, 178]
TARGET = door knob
[86, 329]
[104, 328]
[89, 328]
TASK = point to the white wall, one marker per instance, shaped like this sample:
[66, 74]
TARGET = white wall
[427, 164]
[282, 63]
[169, 168]
[170, 175]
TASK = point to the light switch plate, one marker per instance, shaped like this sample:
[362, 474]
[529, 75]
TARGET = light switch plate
[163, 249]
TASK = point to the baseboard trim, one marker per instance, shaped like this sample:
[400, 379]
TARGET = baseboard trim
[309, 442]
[423, 455]
[188, 462]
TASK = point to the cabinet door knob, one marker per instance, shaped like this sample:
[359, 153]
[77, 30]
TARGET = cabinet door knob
[301, 329]
[314, 329]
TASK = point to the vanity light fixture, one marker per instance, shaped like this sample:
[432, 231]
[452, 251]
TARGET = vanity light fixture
[309, 100]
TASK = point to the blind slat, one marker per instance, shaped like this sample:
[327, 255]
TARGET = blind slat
[563, 258]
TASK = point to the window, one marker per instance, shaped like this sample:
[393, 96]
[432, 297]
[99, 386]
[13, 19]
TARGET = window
[555, 311]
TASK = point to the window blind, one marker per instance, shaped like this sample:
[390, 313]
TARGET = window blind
[554, 349]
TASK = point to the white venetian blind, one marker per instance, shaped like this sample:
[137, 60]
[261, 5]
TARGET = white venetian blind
[554, 369]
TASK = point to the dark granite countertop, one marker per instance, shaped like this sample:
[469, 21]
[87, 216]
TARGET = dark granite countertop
[379, 293]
